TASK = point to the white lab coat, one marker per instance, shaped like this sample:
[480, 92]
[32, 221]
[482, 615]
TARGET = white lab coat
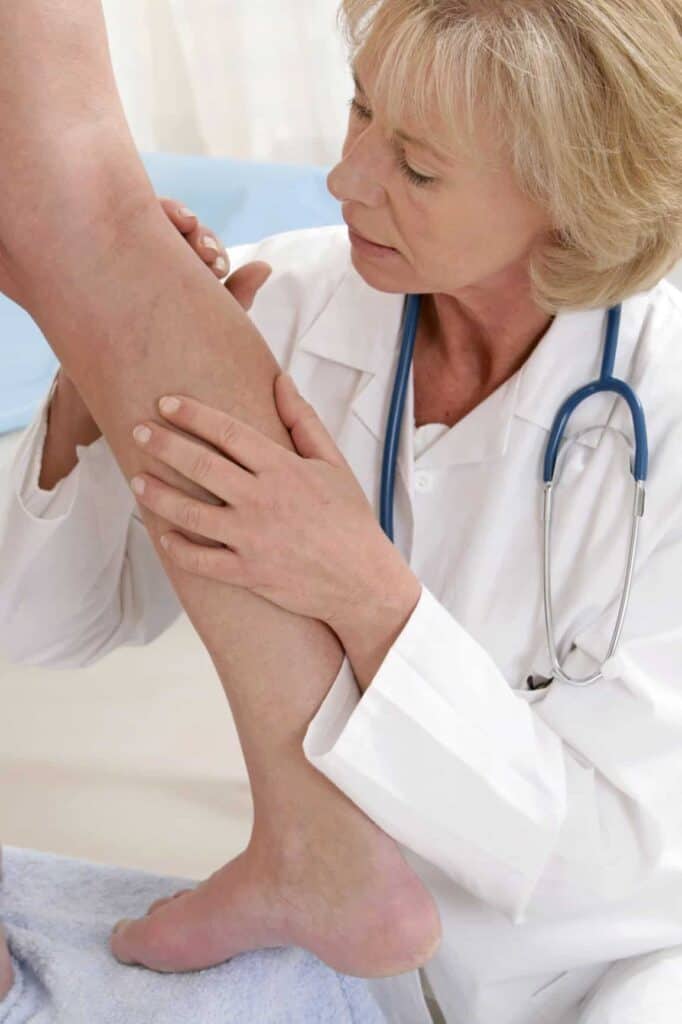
[547, 824]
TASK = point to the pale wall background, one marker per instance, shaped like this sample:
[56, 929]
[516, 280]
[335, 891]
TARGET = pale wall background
[135, 760]
[252, 79]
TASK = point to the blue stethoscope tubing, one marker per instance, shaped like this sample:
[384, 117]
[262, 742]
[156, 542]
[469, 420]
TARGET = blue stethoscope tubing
[639, 468]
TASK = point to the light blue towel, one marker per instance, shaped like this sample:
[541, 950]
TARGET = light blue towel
[59, 912]
[241, 201]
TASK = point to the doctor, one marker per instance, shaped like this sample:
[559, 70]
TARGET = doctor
[543, 819]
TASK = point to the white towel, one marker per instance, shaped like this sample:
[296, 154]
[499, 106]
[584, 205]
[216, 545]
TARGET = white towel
[59, 912]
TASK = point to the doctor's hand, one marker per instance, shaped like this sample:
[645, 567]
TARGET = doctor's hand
[245, 282]
[297, 528]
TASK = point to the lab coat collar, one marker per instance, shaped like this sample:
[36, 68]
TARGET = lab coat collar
[360, 328]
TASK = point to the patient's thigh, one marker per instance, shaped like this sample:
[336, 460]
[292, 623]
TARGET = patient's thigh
[640, 990]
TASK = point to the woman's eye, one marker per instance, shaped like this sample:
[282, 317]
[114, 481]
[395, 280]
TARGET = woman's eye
[359, 110]
[417, 179]
[420, 180]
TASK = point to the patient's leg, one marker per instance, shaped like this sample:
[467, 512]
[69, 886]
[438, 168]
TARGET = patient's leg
[132, 315]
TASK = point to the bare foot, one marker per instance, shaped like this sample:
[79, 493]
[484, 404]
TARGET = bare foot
[338, 887]
[6, 972]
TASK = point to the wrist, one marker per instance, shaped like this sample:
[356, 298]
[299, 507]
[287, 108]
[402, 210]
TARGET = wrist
[370, 623]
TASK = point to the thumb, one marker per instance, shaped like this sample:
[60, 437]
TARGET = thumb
[247, 281]
[309, 434]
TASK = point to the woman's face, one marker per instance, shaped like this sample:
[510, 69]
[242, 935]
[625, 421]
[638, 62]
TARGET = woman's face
[448, 222]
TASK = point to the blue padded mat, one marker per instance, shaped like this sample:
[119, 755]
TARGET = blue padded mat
[239, 200]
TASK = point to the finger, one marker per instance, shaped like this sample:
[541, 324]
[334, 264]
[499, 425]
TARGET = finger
[182, 217]
[210, 249]
[246, 282]
[177, 508]
[210, 469]
[239, 441]
[308, 432]
[212, 563]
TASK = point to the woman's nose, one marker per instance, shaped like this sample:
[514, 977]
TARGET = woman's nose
[355, 178]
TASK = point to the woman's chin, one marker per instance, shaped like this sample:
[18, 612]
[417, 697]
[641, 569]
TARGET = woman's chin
[380, 276]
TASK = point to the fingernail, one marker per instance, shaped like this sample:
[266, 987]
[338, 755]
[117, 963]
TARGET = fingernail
[210, 243]
[220, 265]
[185, 212]
[169, 404]
[165, 543]
[138, 484]
[142, 434]
[121, 924]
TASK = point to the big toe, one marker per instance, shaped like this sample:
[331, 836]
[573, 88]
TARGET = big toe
[188, 933]
[164, 940]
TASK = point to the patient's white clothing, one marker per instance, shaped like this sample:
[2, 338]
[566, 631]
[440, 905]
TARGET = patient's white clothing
[546, 823]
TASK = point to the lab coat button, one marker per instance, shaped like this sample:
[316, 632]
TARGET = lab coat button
[423, 481]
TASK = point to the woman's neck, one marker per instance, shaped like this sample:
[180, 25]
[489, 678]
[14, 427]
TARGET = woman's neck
[485, 332]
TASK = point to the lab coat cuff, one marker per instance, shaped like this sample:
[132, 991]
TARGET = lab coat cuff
[439, 702]
[333, 714]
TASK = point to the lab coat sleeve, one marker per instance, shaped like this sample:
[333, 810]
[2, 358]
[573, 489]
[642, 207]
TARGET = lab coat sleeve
[80, 576]
[536, 805]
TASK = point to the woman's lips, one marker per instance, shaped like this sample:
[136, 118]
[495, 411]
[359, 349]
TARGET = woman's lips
[370, 248]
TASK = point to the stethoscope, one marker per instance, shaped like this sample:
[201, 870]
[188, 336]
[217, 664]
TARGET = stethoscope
[639, 469]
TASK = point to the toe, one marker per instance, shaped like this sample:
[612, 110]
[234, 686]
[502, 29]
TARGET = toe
[170, 939]
[142, 942]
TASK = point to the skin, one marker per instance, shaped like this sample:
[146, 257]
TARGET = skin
[70, 422]
[466, 337]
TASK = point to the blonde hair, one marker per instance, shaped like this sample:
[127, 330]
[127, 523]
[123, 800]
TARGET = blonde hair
[586, 96]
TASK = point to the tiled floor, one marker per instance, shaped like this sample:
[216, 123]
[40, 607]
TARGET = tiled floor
[133, 761]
